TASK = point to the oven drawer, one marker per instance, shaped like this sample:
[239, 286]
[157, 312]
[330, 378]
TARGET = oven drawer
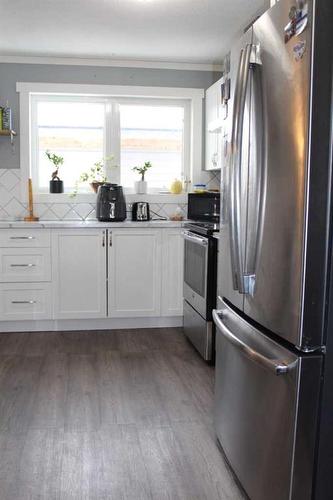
[25, 301]
[198, 302]
[24, 238]
[25, 264]
[198, 331]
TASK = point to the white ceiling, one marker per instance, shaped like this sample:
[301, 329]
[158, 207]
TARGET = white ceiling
[192, 31]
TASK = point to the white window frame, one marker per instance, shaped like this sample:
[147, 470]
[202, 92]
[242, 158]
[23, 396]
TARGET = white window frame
[111, 130]
[157, 95]
[185, 171]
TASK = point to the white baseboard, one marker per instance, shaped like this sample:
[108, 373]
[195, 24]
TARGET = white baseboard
[89, 324]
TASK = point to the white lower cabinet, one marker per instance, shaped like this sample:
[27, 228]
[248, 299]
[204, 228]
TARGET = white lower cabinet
[25, 301]
[91, 273]
[25, 264]
[172, 272]
[134, 277]
[79, 273]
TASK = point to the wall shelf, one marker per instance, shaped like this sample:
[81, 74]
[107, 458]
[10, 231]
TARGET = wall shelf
[7, 133]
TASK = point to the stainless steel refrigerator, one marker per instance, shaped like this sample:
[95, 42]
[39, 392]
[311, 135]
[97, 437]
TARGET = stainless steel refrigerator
[274, 251]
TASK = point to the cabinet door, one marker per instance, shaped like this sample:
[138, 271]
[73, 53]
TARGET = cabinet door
[24, 238]
[25, 301]
[79, 270]
[172, 272]
[25, 265]
[134, 272]
[212, 99]
[213, 128]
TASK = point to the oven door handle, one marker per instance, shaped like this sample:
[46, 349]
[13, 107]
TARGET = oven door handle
[187, 235]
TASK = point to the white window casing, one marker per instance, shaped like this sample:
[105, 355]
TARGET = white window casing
[113, 96]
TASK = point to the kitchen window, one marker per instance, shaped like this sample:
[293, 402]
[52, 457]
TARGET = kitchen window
[131, 129]
[153, 132]
[73, 128]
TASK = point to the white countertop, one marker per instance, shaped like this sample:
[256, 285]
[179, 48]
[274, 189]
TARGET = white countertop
[7, 224]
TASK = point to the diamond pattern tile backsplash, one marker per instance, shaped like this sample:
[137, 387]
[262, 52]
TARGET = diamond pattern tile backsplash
[12, 207]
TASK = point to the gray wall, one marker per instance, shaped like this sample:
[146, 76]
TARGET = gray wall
[12, 73]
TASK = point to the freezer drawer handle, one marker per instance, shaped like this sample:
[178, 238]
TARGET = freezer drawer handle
[278, 367]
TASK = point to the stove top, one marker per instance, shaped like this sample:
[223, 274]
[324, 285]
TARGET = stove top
[204, 228]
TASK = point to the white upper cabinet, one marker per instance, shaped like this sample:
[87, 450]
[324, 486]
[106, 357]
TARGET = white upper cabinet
[213, 128]
[134, 277]
[79, 265]
[172, 272]
[217, 119]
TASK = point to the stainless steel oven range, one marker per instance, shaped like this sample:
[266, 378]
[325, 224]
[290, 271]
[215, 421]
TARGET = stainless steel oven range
[200, 270]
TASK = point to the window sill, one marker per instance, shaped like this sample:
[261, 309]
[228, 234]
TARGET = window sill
[91, 198]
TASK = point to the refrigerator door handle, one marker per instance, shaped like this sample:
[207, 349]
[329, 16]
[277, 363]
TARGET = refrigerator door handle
[236, 159]
[255, 204]
[232, 225]
[275, 365]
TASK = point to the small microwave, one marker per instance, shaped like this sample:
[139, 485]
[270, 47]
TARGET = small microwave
[204, 207]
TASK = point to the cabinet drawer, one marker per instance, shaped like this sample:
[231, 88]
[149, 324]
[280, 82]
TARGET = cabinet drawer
[25, 301]
[25, 264]
[24, 238]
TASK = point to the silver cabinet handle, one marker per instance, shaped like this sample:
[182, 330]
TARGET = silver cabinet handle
[214, 159]
[22, 238]
[24, 301]
[278, 367]
[196, 239]
[110, 238]
[23, 265]
[103, 239]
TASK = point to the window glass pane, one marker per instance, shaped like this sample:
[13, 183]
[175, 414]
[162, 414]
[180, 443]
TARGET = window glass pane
[74, 130]
[155, 134]
[195, 267]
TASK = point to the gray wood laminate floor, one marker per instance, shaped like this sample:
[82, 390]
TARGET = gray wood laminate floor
[108, 415]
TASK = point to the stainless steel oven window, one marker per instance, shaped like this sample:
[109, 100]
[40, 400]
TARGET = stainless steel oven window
[195, 273]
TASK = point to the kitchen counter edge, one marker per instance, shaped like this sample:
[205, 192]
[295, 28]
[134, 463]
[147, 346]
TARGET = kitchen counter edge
[93, 224]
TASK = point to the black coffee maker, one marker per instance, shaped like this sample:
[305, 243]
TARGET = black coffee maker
[111, 204]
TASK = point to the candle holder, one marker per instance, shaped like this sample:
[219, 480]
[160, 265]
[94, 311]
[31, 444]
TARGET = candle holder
[31, 217]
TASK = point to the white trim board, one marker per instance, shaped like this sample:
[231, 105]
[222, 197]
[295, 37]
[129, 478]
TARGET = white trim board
[125, 63]
[109, 90]
[90, 324]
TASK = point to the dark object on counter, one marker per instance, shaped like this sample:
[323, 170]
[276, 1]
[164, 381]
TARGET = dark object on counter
[111, 204]
[204, 207]
[140, 211]
[56, 186]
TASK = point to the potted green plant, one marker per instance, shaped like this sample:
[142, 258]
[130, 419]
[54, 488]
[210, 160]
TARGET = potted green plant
[96, 175]
[141, 186]
[56, 184]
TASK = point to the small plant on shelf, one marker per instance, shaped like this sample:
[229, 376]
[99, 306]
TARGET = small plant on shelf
[141, 186]
[56, 184]
[96, 175]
